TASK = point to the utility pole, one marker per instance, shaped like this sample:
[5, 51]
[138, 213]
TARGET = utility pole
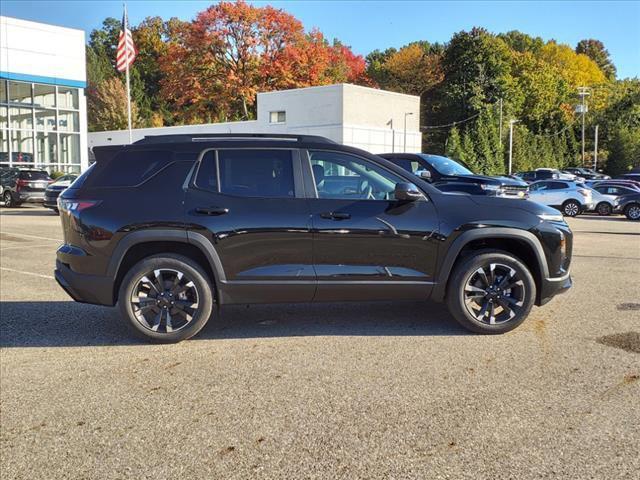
[405, 130]
[500, 122]
[583, 92]
[595, 150]
[511, 122]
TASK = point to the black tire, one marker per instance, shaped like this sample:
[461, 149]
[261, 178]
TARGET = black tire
[571, 208]
[632, 212]
[463, 274]
[604, 209]
[192, 271]
[9, 202]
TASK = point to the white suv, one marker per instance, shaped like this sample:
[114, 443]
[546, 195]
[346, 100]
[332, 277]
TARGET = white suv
[568, 197]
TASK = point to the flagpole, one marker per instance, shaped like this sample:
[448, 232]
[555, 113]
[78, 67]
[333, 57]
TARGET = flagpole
[126, 26]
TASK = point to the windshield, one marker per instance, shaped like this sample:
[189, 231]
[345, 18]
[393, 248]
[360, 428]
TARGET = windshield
[446, 166]
[33, 175]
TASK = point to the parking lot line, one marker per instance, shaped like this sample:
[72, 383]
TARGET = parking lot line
[27, 273]
[17, 247]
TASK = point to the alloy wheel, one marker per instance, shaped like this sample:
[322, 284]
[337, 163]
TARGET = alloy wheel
[604, 209]
[494, 294]
[633, 212]
[571, 209]
[8, 200]
[164, 300]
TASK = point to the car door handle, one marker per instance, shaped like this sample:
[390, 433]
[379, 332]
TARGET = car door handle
[212, 211]
[335, 215]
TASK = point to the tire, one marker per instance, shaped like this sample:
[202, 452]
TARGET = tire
[466, 301]
[571, 208]
[632, 212]
[604, 209]
[141, 316]
[9, 202]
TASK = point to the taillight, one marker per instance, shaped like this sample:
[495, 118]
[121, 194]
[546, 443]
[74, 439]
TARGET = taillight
[75, 206]
[20, 183]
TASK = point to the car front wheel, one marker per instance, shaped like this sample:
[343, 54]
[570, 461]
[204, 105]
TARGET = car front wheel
[571, 208]
[9, 202]
[490, 292]
[632, 212]
[604, 209]
[166, 298]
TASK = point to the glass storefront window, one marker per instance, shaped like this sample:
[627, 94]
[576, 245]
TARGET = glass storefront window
[44, 95]
[69, 148]
[68, 121]
[22, 146]
[68, 98]
[3, 91]
[45, 120]
[21, 118]
[47, 145]
[3, 117]
[20, 92]
[4, 146]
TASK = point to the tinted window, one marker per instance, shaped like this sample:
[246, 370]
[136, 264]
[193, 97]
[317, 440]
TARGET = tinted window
[337, 175]
[255, 173]
[207, 177]
[557, 185]
[131, 168]
[411, 166]
[28, 175]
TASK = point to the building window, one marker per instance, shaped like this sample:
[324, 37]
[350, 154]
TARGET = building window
[39, 126]
[278, 117]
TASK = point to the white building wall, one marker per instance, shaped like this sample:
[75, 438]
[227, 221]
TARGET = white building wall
[347, 114]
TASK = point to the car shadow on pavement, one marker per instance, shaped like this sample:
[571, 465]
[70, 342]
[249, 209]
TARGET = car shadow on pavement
[28, 212]
[69, 324]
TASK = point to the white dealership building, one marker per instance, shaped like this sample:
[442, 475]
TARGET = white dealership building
[43, 119]
[368, 118]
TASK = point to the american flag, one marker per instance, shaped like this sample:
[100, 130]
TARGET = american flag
[126, 52]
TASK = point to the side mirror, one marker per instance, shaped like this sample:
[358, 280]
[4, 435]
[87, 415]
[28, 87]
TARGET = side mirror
[407, 191]
[425, 175]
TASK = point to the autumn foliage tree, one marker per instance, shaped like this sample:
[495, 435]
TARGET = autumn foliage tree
[107, 108]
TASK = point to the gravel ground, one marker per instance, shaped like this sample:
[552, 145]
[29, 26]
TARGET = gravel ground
[379, 390]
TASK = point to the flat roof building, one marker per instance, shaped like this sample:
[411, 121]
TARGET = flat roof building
[43, 110]
[363, 117]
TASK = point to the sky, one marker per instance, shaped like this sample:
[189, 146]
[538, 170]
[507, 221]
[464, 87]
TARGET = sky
[370, 25]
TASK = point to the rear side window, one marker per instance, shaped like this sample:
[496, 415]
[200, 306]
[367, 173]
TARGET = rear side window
[557, 186]
[248, 173]
[131, 168]
[28, 175]
[78, 182]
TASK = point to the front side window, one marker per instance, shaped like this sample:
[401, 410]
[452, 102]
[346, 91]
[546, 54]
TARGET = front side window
[341, 176]
[256, 173]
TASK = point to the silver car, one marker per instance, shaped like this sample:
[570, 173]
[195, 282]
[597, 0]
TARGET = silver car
[568, 197]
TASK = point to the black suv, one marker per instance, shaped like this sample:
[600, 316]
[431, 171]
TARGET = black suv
[20, 185]
[450, 176]
[173, 226]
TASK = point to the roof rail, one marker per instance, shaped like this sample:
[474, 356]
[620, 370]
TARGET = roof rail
[209, 137]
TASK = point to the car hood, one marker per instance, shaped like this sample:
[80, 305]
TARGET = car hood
[528, 206]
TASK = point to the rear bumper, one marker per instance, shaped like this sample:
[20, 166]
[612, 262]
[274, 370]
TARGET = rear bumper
[51, 202]
[550, 287]
[30, 197]
[84, 288]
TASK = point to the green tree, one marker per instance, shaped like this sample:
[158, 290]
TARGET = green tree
[595, 50]
[624, 150]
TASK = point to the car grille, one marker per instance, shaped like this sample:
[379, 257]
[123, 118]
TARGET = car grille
[515, 191]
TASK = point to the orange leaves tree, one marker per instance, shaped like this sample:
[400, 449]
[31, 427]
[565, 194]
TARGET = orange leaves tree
[214, 67]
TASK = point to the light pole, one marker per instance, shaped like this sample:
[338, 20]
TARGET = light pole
[511, 123]
[405, 130]
[500, 134]
[584, 93]
[595, 151]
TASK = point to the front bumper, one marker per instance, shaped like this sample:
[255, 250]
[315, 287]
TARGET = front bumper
[84, 288]
[550, 287]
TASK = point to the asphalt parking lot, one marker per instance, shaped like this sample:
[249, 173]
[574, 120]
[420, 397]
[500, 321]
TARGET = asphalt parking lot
[386, 390]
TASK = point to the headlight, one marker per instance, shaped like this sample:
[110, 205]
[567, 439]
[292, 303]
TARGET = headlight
[491, 188]
[616, 202]
[551, 217]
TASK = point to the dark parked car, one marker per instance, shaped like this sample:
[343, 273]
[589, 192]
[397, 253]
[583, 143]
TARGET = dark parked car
[443, 171]
[587, 173]
[537, 175]
[20, 185]
[171, 227]
[629, 205]
[55, 188]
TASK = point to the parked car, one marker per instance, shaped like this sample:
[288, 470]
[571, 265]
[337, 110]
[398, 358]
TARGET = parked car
[629, 176]
[602, 204]
[562, 175]
[20, 185]
[620, 183]
[442, 171]
[568, 197]
[629, 205]
[587, 173]
[537, 175]
[54, 189]
[614, 190]
[171, 226]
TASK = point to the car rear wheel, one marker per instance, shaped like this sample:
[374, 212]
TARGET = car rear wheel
[571, 208]
[604, 209]
[632, 212]
[9, 202]
[166, 298]
[490, 292]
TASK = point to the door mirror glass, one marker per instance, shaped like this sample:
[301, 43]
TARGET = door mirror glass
[407, 192]
[425, 174]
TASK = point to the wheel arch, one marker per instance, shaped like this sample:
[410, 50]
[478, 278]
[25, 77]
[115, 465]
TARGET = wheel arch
[522, 244]
[142, 244]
